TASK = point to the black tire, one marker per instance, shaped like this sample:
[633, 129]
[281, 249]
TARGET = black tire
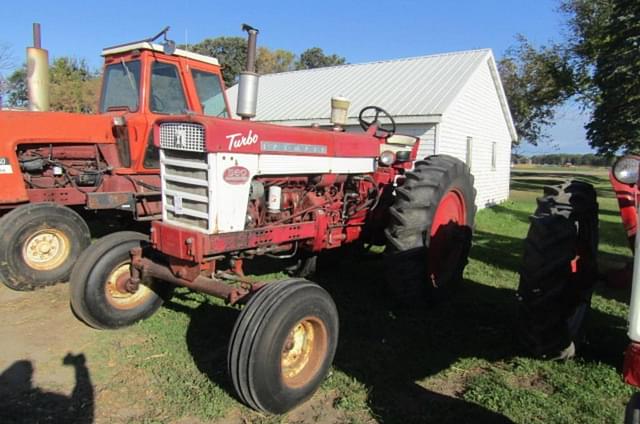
[260, 337]
[559, 270]
[94, 298]
[27, 231]
[409, 241]
[632, 411]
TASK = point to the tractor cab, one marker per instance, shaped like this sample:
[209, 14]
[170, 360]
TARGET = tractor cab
[143, 81]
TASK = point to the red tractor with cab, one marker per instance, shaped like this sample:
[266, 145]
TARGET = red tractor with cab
[54, 166]
[235, 190]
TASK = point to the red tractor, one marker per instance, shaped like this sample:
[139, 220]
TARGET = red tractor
[234, 190]
[55, 166]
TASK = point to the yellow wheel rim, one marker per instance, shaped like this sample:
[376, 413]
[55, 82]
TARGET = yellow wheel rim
[46, 249]
[120, 298]
[303, 352]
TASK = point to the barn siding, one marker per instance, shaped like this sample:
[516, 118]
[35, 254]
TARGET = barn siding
[427, 135]
[477, 113]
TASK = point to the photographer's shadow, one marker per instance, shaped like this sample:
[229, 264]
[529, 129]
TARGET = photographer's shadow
[20, 402]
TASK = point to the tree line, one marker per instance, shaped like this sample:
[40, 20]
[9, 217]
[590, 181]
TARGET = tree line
[562, 159]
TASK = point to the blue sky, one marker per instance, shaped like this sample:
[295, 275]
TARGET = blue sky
[359, 30]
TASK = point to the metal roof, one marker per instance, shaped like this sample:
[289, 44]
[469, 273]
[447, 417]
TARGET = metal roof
[413, 90]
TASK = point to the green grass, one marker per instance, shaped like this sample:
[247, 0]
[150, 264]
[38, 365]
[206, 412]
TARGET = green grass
[456, 362]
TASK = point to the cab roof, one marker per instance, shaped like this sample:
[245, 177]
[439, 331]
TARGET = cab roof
[145, 45]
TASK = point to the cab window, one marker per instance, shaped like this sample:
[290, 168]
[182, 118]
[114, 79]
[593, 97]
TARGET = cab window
[210, 93]
[167, 95]
[121, 86]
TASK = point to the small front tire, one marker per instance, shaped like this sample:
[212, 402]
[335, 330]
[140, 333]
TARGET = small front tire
[282, 345]
[98, 293]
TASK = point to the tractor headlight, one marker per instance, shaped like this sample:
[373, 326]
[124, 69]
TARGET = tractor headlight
[387, 157]
[625, 169]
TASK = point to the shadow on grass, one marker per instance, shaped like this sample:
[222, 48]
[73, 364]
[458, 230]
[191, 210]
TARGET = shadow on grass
[389, 349]
[384, 348]
[497, 250]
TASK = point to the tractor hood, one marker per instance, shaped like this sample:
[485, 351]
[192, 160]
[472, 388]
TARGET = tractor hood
[54, 127]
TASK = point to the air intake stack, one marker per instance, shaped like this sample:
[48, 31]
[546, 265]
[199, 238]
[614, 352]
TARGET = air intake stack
[248, 84]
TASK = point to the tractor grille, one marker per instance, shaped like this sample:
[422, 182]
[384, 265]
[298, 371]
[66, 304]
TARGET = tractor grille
[186, 189]
[182, 136]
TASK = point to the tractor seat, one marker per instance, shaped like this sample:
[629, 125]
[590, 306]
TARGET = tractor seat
[402, 140]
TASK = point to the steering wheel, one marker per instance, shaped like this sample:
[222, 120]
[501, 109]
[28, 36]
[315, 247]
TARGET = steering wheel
[382, 130]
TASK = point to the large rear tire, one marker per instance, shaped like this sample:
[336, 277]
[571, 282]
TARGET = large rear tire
[429, 236]
[282, 345]
[559, 270]
[39, 244]
[98, 293]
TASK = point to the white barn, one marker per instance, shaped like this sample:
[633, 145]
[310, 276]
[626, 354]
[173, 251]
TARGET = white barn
[454, 102]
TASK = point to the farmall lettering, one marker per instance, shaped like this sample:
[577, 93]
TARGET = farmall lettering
[238, 140]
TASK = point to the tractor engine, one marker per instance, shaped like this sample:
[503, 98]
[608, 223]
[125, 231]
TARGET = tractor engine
[333, 199]
[56, 166]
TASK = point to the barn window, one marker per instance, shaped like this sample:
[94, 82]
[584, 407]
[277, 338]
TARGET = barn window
[493, 156]
[469, 151]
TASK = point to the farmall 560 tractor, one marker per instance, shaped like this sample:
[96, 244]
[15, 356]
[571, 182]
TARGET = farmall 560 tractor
[54, 166]
[233, 190]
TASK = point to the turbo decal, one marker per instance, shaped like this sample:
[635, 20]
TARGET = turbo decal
[238, 140]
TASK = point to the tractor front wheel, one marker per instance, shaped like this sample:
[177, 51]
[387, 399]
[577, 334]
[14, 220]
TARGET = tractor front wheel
[39, 244]
[429, 235]
[101, 293]
[282, 345]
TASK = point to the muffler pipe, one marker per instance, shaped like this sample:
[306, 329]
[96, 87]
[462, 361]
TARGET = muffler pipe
[248, 82]
[38, 73]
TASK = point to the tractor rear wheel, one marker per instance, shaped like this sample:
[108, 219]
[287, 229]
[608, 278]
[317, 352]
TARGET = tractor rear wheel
[282, 345]
[100, 295]
[559, 270]
[429, 236]
[39, 244]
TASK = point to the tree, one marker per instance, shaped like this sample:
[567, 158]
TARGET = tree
[586, 23]
[16, 89]
[315, 58]
[5, 63]
[274, 61]
[73, 87]
[535, 81]
[615, 122]
[232, 54]
[602, 53]
[230, 51]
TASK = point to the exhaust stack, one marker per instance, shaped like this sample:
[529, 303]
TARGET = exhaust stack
[37, 74]
[248, 84]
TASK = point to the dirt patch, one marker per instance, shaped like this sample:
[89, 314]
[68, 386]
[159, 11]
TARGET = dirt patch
[52, 368]
[531, 382]
[452, 384]
[39, 327]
